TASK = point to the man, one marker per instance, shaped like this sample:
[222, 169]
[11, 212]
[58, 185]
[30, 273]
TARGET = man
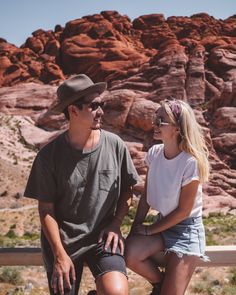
[82, 181]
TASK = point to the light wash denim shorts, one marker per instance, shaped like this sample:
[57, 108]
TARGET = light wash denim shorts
[186, 237]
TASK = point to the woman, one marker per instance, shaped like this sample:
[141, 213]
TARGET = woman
[176, 170]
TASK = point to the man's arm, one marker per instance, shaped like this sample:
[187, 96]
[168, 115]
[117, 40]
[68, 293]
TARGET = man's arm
[112, 231]
[63, 266]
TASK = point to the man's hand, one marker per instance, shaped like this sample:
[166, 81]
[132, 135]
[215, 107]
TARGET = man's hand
[113, 236]
[63, 271]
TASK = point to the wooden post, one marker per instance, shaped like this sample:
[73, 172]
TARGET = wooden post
[219, 256]
[20, 256]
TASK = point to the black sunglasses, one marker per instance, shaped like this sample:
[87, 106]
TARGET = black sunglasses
[93, 105]
[159, 122]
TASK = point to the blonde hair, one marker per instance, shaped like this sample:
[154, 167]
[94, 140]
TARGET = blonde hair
[191, 139]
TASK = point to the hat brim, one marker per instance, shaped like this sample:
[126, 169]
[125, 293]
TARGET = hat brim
[60, 106]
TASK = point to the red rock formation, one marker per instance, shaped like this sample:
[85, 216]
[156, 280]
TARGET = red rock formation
[144, 61]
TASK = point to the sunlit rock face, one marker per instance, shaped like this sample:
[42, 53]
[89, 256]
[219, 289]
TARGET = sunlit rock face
[144, 61]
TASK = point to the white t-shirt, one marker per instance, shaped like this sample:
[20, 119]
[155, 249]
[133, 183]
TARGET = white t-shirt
[167, 177]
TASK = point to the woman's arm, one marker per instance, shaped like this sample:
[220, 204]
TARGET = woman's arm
[143, 207]
[186, 202]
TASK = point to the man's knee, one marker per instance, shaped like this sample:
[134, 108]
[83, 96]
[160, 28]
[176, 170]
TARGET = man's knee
[112, 283]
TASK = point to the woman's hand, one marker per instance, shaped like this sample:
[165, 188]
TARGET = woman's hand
[141, 229]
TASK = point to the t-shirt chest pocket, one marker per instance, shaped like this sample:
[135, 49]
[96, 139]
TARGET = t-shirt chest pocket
[107, 179]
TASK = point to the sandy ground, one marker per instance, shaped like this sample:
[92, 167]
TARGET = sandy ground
[35, 282]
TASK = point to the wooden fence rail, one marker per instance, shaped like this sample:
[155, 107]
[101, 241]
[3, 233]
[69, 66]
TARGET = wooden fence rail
[219, 256]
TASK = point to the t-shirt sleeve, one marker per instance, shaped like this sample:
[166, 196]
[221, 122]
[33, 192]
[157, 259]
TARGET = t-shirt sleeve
[147, 159]
[151, 153]
[41, 182]
[129, 175]
[191, 172]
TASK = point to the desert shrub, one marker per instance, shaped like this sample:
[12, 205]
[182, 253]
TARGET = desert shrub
[220, 229]
[11, 234]
[228, 290]
[233, 278]
[30, 236]
[199, 287]
[11, 276]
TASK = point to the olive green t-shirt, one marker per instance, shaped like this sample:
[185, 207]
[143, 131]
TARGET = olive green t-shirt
[84, 187]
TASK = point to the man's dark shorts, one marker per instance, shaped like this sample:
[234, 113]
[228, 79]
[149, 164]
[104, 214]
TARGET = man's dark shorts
[99, 261]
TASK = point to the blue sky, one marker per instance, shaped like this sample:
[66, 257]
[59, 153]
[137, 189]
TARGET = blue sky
[19, 18]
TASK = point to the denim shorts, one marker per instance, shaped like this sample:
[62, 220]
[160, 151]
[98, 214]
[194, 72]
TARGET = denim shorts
[186, 237]
[99, 261]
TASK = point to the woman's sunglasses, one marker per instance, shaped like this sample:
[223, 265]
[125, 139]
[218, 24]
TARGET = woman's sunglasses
[159, 122]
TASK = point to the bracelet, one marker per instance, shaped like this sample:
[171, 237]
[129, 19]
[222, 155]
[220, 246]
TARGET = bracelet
[146, 230]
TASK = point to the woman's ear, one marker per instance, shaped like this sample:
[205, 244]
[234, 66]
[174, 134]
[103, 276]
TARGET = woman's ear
[178, 131]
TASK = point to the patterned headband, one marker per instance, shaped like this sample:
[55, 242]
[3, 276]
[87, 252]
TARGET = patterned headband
[176, 109]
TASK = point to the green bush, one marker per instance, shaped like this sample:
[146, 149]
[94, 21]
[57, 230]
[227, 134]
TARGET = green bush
[199, 287]
[233, 278]
[11, 276]
[30, 236]
[11, 234]
[220, 229]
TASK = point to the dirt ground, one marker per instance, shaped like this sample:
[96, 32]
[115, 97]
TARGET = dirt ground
[35, 282]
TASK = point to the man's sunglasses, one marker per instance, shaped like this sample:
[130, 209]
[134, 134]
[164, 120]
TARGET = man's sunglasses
[159, 122]
[93, 105]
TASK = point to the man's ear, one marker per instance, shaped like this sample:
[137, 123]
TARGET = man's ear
[72, 110]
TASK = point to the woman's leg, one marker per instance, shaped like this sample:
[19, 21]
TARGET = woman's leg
[178, 273]
[138, 252]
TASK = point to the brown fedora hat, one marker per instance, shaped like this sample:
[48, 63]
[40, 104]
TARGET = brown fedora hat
[73, 89]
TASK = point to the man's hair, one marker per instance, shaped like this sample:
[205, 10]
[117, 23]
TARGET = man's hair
[77, 103]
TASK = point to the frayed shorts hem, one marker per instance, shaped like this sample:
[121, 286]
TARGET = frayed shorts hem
[180, 254]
